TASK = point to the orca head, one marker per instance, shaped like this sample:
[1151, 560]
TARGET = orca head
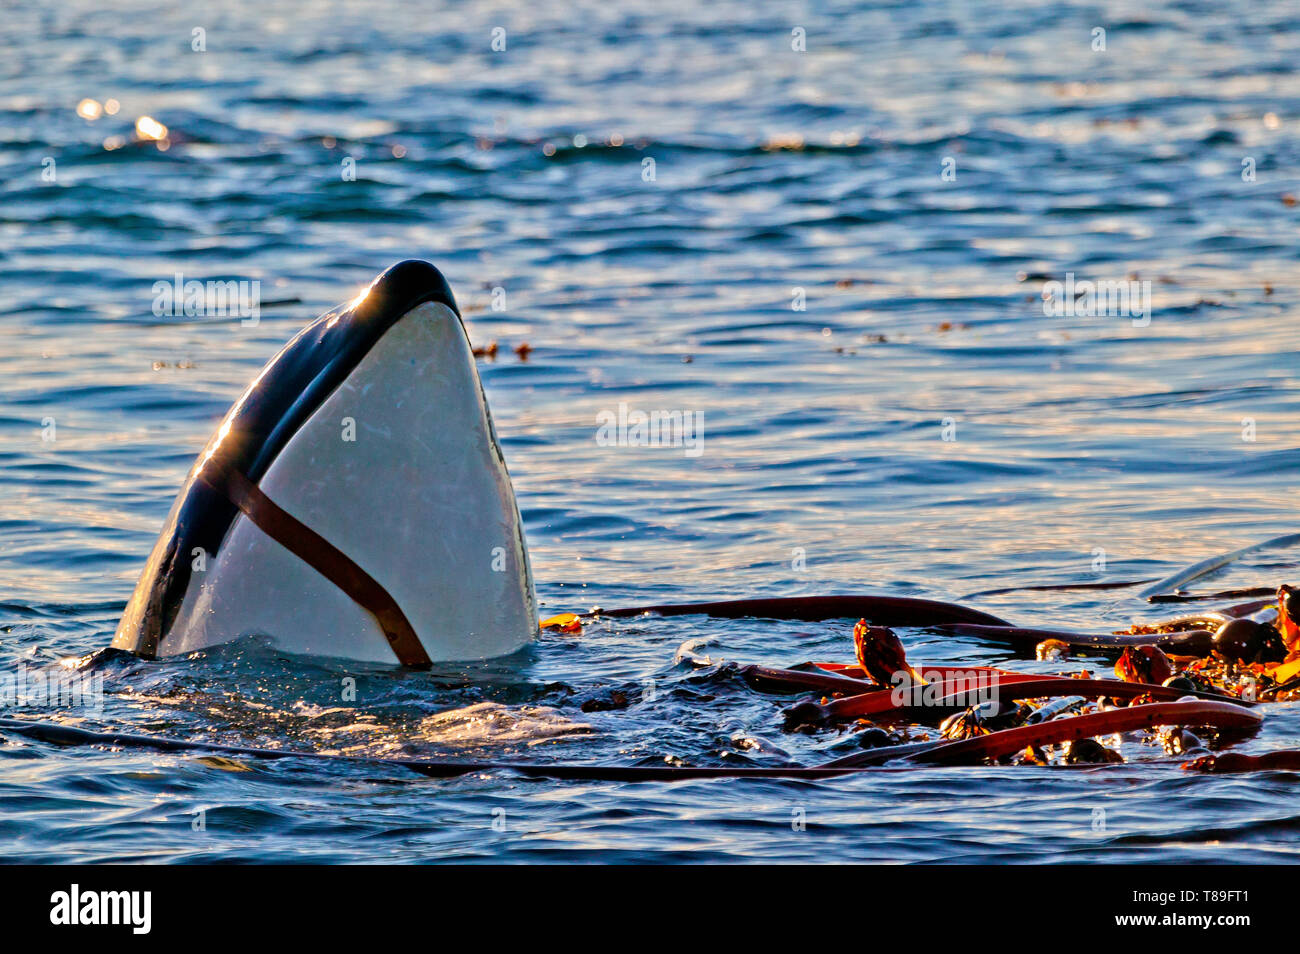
[357, 481]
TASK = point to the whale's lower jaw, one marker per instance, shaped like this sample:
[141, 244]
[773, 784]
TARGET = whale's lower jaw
[400, 470]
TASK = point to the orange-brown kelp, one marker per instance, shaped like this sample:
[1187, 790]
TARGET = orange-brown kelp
[1288, 619]
[884, 707]
[1146, 664]
[881, 655]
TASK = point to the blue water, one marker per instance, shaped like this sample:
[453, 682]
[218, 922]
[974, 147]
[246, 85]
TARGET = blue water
[775, 170]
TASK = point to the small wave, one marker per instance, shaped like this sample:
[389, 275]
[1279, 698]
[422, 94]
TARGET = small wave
[493, 723]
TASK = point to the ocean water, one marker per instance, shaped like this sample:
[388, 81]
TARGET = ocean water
[918, 427]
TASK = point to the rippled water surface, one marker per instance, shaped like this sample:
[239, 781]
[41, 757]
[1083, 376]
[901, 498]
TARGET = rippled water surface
[777, 175]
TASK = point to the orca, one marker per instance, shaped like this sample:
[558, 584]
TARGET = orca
[353, 503]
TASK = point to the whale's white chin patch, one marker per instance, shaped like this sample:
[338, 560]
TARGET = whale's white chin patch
[399, 469]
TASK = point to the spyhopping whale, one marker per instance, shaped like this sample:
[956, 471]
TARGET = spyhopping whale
[353, 503]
